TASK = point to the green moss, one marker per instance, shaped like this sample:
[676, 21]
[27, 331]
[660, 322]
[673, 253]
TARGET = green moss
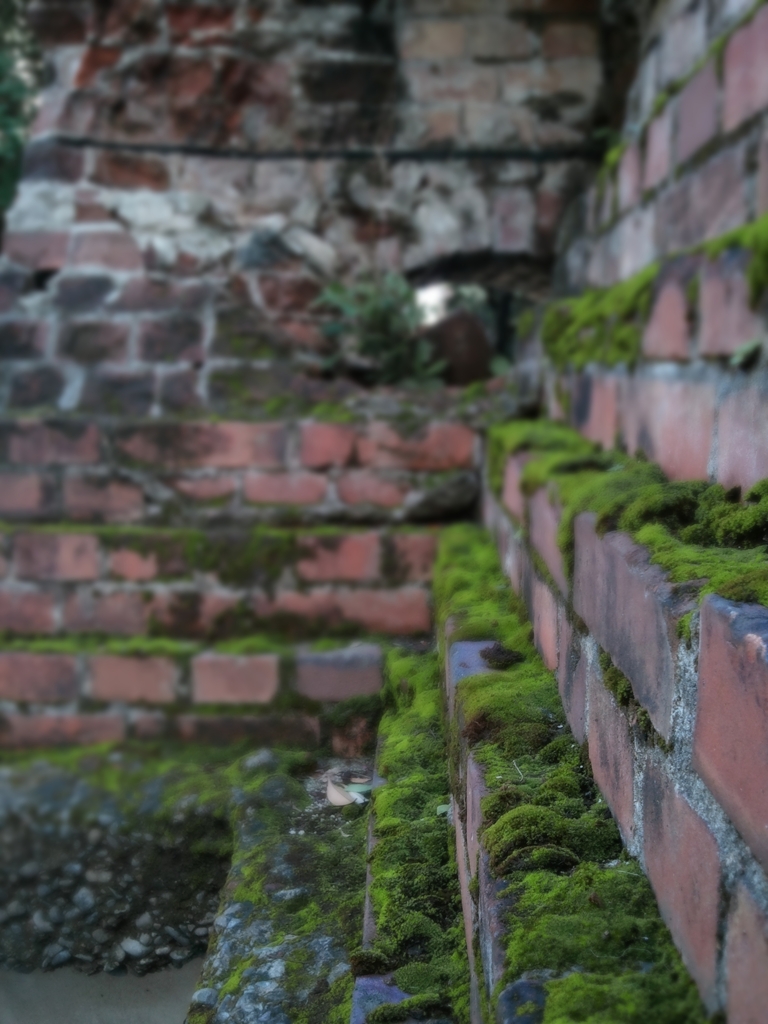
[699, 533]
[516, 436]
[754, 238]
[332, 412]
[525, 324]
[578, 904]
[600, 326]
[414, 885]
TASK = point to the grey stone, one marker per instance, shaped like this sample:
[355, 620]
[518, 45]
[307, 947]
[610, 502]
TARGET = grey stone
[84, 899]
[205, 997]
[133, 948]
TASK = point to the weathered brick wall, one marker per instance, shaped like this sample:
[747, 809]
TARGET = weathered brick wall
[197, 171]
[691, 171]
[691, 802]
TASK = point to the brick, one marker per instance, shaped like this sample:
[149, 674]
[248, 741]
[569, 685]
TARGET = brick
[129, 171]
[355, 738]
[441, 446]
[187, 22]
[13, 281]
[630, 176]
[177, 337]
[22, 339]
[632, 611]
[658, 149]
[337, 675]
[115, 250]
[666, 334]
[206, 445]
[324, 445]
[122, 613]
[746, 958]
[82, 292]
[512, 497]
[294, 488]
[730, 749]
[404, 610]
[745, 72]
[25, 612]
[133, 680]
[493, 38]
[362, 487]
[94, 60]
[66, 557]
[725, 316]
[355, 558]
[413, 556]
[672, 422]
[296, 730]
[54, 444]
[513, 221]
[179, 392]
[20, 493]
[675, 837]
[102, 500]
[762, 176]
[37, 250]
[226, 679]
[428, 83]
[282, 293]
[543, 524]
[118, 393]
[48, 160]
[206, 488]
[159, 295]
[133, 565]
[476, 793]
[567, 40]
[316, 607]
[37, 387]
[611, 753]
[38, 678]
[595, 407]
[94, 341]
[572, 677]
[148, 725]
[432, 40]
[705, 204]
[697, 113]
[742, 456]
[60, 730]
[544, 616]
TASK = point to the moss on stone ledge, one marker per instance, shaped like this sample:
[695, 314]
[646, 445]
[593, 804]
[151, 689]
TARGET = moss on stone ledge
[699, 533]
[414, 888]
[600, 326]
[583, 923]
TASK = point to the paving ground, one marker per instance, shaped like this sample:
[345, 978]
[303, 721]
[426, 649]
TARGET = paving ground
[68, 996]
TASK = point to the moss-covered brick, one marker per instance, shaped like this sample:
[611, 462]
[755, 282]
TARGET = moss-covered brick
[697, 532]
[583, 917]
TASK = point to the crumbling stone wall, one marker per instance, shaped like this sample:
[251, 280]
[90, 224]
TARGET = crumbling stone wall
[196, 171]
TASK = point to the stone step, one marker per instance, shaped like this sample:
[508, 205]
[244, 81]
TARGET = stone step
[60, 692]
[190, 583]
[203, 471]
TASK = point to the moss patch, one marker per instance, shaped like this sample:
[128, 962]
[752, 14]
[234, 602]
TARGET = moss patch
[698, 533]
[600, 326]
[414, 888]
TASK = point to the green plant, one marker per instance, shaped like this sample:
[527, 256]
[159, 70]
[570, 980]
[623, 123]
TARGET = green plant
[379, 320]
[17, 72]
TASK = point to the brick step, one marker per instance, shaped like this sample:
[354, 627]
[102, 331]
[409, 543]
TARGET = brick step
[203, 471]
[668, 691]
[126, 581]
[61, 692]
